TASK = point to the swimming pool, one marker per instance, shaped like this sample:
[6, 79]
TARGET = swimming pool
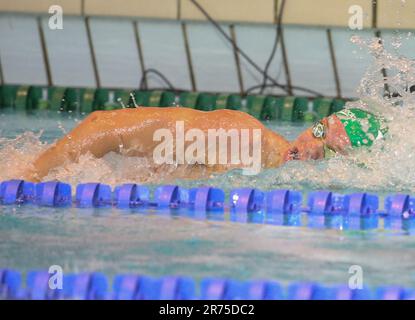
[154, 243]
[285, 248]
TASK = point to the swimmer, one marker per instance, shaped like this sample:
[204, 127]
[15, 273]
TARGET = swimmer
[131, 133]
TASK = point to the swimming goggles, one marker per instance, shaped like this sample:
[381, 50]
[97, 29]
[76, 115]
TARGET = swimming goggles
[319, 130]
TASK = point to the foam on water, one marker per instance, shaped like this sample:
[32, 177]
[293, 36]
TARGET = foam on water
[386, 166]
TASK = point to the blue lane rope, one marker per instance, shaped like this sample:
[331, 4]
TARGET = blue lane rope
[324, 209]
[95, 286]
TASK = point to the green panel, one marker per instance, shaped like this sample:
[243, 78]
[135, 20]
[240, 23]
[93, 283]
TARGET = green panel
[154, 99]
[271, 109]
[221, 101]
[86, 97]
[57, 98]
[322, 107]
[71, 100]
[286, 105]
[206, 102]
[168, 99]
[234, 102]
[37, 98]
[338, 104]
[188, 99]
[8, 96]
[106, 99]
[254, 105]
[86, 100]
[300, 109]
[100, 98]
[32, 95]
[21, 98]
[12, 96]
[42, 103]
[141, 98]
[113, 102]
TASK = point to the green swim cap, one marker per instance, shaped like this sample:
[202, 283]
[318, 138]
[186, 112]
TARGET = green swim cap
[361, 126]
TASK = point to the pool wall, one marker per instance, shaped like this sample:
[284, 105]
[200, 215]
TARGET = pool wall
[120, 52]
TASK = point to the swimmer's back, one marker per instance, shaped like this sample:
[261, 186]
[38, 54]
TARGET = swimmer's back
[192, 118]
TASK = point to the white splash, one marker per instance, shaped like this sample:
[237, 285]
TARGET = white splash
[388, 165]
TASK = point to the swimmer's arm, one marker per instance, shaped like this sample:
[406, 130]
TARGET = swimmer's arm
[91, 135]
[131, 129]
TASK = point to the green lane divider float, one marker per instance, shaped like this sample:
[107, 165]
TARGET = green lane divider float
[7, 96]
[106, 99]
[209, 101]
[254, 104]
[288, 108]
[21, 98]
[206, 102]
[228, 101]
[141, 97]
[300, 108]
[188, 99]
[234, 102]
[37, 98]
[57, 98]
[152, 98]
[168, 99]
[271, 109]
[338, 104]
[322, 107]
[13, 96]
[46, 98]
[221, 101]
[78, 99]
[86, 100]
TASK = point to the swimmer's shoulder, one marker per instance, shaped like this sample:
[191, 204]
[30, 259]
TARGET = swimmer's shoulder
[176, 109]
[221, 115]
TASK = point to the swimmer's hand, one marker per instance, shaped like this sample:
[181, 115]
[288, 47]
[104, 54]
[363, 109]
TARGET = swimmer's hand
[306, 147]
[293, 154]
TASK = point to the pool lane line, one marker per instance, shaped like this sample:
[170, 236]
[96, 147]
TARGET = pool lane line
[96, 286]
[323, 209]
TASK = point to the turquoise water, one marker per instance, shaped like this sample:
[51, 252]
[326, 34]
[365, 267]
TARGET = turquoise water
[114, 241]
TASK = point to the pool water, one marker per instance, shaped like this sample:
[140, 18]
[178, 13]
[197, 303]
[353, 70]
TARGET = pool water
[115, 241]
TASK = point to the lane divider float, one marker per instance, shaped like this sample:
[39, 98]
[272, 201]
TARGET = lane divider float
[95, 286]
[324, 209]
[86, 100]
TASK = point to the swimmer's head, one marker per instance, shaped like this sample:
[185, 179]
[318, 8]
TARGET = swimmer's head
[348, 128]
